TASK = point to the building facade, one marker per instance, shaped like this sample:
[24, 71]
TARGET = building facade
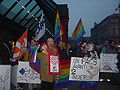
[108, 29]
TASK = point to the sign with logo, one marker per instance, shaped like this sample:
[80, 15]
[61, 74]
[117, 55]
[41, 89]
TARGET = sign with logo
[26, 74]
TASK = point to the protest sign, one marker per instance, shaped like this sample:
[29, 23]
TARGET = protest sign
[54, 67]
[108, 63]
[26, 74]
[14, 75]
[84, 69]
[5, 77]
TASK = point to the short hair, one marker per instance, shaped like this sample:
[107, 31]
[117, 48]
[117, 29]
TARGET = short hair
[50, 38]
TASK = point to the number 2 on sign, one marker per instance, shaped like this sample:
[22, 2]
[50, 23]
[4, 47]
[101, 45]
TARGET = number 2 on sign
[73, 71]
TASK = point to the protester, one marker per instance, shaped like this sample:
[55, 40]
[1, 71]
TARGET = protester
[5, 53]
[27, 54]
[47, 80]
[81, 51]
[104, 47]
[115, 77]
[112, 47]
[26, 57]
[92, 49]
[118, 66]
[62, 80]
[72, 50]
[118, 57]
[112, 50]
[62, 51]
[86, 50]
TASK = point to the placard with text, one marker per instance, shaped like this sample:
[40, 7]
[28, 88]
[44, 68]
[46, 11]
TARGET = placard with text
[108, 63]
[84, 69]
[54, 67]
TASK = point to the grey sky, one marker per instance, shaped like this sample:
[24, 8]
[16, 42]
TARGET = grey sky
[89, 11]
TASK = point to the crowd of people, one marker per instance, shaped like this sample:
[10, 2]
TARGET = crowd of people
[81, 49]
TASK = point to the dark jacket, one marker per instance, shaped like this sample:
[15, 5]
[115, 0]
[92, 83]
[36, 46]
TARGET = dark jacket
[118, 64]
[72, 52]
[112, 50]
[63, 53]
[5, 53]
[81, 53]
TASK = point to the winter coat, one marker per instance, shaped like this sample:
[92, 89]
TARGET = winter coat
[44, 69]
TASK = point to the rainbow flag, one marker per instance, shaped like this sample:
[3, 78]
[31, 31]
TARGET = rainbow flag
[104, 49]
[58, 27]
[62, 80]
[78, 32]
[34, 61]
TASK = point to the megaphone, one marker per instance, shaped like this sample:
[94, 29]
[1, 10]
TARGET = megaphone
[89, 47]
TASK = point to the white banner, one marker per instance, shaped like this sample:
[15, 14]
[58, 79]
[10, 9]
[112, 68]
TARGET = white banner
[26, 74]
[5, 77]
[54, 64]
[84, 69]
[108, 63]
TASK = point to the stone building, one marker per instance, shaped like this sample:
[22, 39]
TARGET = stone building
[108, 29]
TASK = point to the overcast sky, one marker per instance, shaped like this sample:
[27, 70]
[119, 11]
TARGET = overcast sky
[89, 11]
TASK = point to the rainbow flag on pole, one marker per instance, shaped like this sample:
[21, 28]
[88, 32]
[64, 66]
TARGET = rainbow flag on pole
[34, 60]
[78, 32]
[58, 27]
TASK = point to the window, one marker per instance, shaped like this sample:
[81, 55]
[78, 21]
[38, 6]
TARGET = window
[16, 9]
[25, 11]
[5, 5]
[30, 16]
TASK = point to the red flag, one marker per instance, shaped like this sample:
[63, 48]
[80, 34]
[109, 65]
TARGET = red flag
[21, 46]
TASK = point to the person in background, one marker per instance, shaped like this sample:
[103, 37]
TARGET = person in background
[81, 51]
[5, 53]
[104, 47]
[118, 66]
[30, 47]
[118, 57]
[47, 80]
[86, 50]
[68, 48]
[72, 50]
[112, 47]
[26, 57]
[115, 77]
[62, 51]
